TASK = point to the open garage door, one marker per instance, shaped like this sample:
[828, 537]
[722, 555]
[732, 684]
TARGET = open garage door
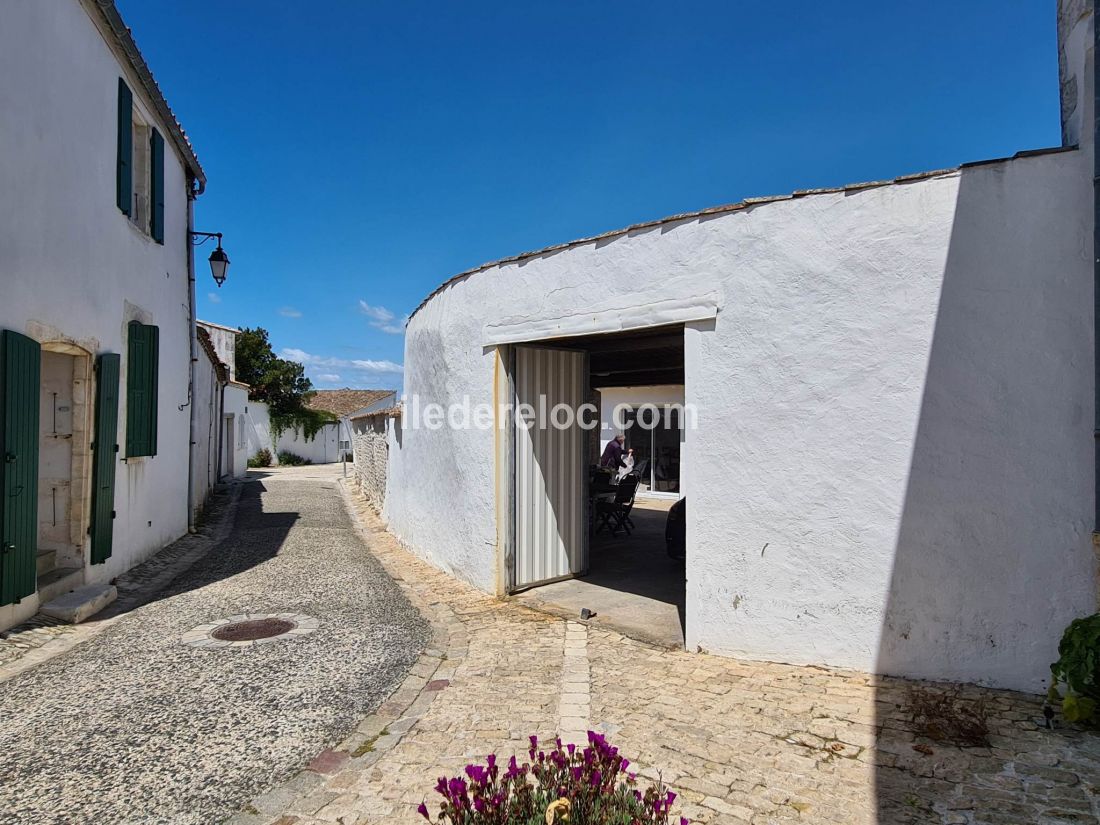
[550, 476]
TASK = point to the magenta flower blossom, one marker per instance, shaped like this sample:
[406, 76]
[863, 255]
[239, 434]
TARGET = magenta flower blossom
[594, 779]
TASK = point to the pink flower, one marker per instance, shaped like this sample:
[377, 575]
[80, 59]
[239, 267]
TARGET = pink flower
[422, 809]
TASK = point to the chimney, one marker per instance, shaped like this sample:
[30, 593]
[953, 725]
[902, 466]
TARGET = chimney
[1075, 70]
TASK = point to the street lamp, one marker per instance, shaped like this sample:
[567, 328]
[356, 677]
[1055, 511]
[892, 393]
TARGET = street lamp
[219, 261]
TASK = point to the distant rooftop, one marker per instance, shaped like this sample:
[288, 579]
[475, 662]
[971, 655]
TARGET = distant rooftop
[342, 402]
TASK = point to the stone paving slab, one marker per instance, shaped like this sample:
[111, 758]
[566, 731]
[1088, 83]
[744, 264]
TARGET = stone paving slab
[741, 742]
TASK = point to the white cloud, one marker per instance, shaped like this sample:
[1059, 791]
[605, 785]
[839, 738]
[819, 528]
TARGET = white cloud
[213, 297]
[362, 366]
[328, 377]
[290, 312]
[381, 318]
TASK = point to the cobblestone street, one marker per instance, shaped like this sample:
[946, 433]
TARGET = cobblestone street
[350, 725]
[740, 742]
[131, 725]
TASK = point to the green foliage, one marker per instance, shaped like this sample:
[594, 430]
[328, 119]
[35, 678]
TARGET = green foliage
[1076, 674]
[289, 459]
[279, 383]
[305, 420]
[261, 459]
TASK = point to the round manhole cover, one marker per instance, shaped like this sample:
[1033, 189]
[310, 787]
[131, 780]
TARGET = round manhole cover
[251, 630]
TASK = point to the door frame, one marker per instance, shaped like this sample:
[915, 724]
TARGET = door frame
[80, 489]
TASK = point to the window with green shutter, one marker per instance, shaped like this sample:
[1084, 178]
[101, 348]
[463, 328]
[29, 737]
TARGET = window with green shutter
[156, 185]
[143, 357]
[124, 162]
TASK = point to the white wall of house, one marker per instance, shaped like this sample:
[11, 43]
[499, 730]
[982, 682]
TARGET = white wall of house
[322, 448]
[73, 269]
[224, 340]
[257, 429]
[207, 401]
[235, 420]
[892, 456]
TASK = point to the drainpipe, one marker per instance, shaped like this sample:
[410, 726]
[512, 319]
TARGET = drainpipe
[191, 194]
[221, 426]
[1096, 260]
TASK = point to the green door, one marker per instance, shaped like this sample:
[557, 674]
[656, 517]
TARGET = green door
[20, 365]
[104, 450]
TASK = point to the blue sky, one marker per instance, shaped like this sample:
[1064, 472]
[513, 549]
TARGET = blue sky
[359, 153]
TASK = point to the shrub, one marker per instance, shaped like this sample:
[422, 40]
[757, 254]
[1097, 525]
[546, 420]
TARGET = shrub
[261, 459]
[1076, 674]
[589, 786]
[289, 459]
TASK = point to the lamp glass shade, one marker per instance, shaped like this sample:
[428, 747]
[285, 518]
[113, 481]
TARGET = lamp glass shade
[219, 265]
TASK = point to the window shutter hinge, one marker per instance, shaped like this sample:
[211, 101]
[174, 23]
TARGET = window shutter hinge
[112, 514]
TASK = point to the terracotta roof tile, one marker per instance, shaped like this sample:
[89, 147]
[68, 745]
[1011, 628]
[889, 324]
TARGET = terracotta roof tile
[342, 402]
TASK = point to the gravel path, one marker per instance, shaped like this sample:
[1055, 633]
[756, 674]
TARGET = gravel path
[134, 726]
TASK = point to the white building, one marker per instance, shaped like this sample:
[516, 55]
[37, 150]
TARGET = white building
[891, 468]
[96, 317]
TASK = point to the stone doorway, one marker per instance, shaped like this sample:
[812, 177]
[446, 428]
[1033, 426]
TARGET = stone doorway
[64, 461]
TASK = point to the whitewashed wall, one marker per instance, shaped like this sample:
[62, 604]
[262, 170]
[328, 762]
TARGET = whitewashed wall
[257, 429]
[72, 266]
[224, 340]
[322, 448]
[898, 386]
[207, 401]
[235, 463]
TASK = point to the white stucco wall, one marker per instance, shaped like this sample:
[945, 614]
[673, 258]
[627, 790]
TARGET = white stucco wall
[224, 340]
[323, 448]
[207, 402]
[257, 429]
[898, 387]
[236, 452]
[72, 266]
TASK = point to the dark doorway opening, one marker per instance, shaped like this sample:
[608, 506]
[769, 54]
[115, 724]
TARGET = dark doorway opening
[633, 583]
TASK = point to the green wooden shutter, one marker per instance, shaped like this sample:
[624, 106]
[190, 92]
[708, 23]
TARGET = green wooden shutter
[156, 185]
[104, 449]
[124, 164]
[20, 365]
[142, 378]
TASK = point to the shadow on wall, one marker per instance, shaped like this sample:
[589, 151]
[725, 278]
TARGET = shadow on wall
[993, 555]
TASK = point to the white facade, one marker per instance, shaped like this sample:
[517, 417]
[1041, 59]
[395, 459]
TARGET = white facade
[224, 340]
[75, 271]
[892, 466]
[323, 448]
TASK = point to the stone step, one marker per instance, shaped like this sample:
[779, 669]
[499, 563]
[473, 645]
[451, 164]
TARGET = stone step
[58, 581]
[78, 605]
[45, 561]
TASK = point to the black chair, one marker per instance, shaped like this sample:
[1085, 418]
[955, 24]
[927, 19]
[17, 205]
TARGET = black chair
[615, 515]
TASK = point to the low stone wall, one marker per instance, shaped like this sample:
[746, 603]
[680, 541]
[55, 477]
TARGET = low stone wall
[372, 454]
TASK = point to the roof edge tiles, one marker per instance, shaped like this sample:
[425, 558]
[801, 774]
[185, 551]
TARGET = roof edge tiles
[747, 203]
[124, 40]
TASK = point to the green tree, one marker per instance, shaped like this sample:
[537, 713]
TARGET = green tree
[280, 383]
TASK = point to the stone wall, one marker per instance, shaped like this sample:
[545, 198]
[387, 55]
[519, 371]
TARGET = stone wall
[371, 449]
